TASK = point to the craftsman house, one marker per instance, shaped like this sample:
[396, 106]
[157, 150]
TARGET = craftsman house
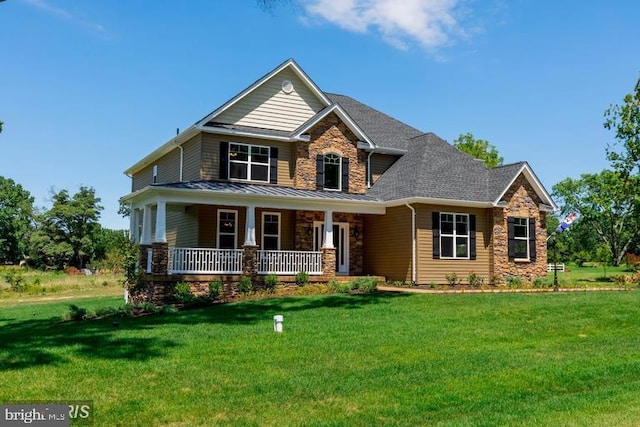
[285, 177]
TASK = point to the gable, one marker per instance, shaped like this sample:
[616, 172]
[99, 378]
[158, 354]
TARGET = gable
[269, 106]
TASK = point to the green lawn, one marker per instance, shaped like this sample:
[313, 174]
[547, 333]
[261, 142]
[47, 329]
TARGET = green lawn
[556, 359]
[589, 276]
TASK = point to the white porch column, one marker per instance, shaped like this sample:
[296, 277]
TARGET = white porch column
[133, 226]
[145, 239]
[161, 222]
[327, 241]
[250, 226]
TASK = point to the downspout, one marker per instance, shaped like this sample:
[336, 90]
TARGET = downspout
[413, 242]
[369, 169]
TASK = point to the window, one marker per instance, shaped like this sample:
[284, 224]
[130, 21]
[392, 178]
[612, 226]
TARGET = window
[270, 231]
[522, 238]
[454, 235]
[248, 162]
[155, 174]
[332, 173]
[227, 229]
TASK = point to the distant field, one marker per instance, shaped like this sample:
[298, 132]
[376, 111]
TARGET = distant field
[40, 285]
[575, 276]
[549, 359]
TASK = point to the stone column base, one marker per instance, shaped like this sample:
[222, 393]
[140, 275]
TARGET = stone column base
[329, 262]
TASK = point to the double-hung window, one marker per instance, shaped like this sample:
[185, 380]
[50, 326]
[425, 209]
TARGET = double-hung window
[454, 235]
[227, 229]
[248, 162]
[270, 231]
[332, 172]
[521, 238]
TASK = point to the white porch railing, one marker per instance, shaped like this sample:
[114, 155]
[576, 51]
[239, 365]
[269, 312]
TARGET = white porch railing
[149, 265]
[205, 261]
[289, 262]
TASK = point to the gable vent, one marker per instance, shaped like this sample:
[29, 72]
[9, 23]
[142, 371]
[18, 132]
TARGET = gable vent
[287, 86]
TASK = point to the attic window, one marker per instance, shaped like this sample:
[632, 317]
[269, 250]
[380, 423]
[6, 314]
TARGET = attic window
[155, 174]
[287, 86]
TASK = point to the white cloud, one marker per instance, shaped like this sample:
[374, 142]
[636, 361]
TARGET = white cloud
[65, 15]
[431, 23]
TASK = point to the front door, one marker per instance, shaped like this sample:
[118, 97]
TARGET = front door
[340, 241]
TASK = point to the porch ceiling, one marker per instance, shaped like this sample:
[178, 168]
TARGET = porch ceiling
[243, 194]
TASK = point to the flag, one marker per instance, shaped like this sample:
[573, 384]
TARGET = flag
[566, 223]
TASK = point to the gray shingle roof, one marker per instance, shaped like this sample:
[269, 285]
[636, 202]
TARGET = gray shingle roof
[266, 190]
[383, 130]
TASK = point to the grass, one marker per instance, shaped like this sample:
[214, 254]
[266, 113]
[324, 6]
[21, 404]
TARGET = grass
[51, 285]
[561, 359]
[590, 276]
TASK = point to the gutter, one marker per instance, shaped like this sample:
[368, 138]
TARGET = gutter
[413, 243]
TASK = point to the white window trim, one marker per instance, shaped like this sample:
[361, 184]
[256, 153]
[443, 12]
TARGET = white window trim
[154, 174]
[235, 228]
[455, 235]
[324, 172]
[264, 214]
[525, 239]
[249, 163]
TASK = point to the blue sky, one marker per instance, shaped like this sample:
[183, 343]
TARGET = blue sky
[87, 88]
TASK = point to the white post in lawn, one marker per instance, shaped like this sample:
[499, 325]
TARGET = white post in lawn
[145, 239]
[327, 241]
[250, 226]
[161, 222]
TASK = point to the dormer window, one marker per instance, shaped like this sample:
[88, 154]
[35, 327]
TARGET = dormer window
[332, 174]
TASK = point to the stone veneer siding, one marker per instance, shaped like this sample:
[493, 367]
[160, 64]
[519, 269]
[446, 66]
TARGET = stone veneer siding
[330, 135]
[523, 202]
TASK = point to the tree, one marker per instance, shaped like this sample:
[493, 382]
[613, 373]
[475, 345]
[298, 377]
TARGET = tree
[66, 235]
[16, 220]
[1, 123]
[479, 149]
[625, 121]
[608, 204]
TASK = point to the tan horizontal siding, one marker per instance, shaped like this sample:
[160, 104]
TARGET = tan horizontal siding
[387, 244]
[182, 226]
[435, 270]
[207, 230]
[192, 158]
[380, 163]
[269, 107]
[211, 156]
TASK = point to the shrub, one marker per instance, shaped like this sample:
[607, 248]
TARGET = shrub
[452, 279]
[514, 281]
[365, 284]
[244, 285]
[302, 278]
[215, 288]
[183, 293]
[270, 282]
[475, 279]
[15, 279]
[77, 313]
[541, 282]
[632, 261]
[340, 287]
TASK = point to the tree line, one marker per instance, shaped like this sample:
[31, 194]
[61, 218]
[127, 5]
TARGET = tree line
[68, 234]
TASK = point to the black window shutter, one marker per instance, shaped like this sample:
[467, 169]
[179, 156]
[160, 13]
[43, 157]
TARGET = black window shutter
[273, 167]
[319, 172]
[345, 174]
[435, 228]
[472, 236]
[224, 160]
[532, 239]
[511, 236]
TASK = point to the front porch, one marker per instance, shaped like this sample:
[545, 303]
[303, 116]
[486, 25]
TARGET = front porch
[208, 261]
